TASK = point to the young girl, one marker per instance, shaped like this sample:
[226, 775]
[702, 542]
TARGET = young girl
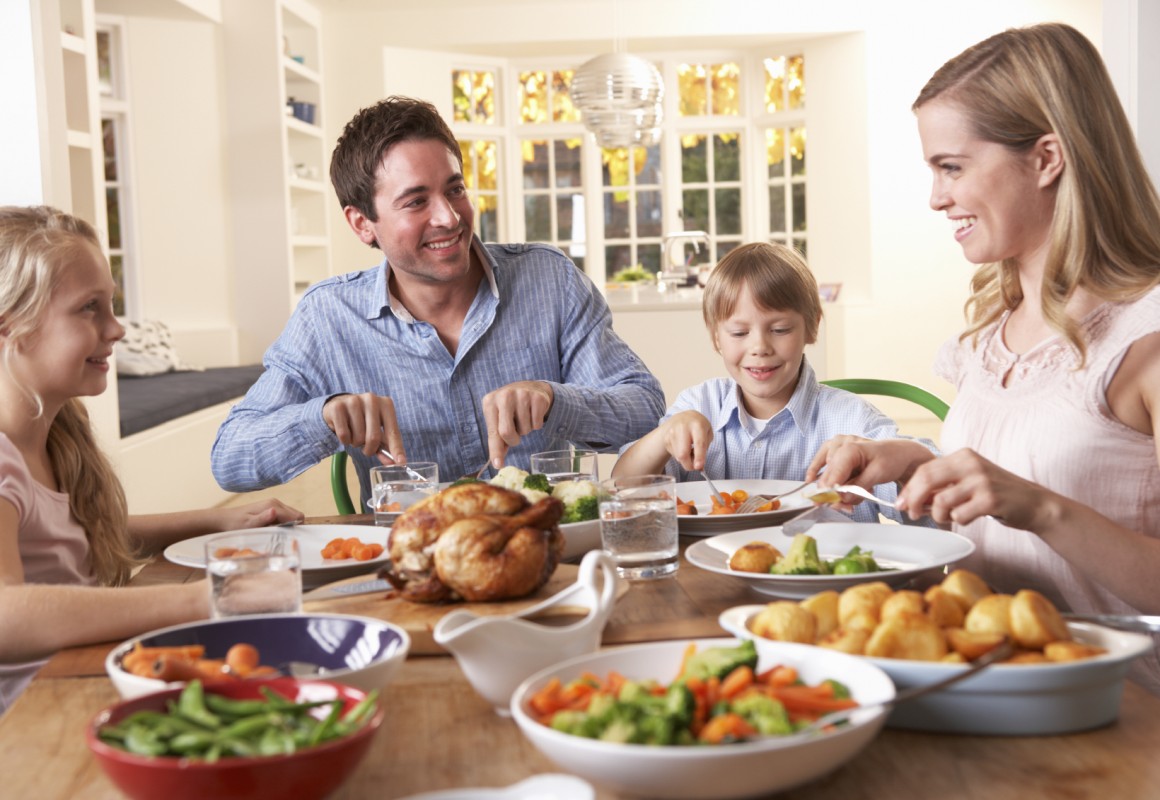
[1053, 467]
[65, 537]
[768, 418]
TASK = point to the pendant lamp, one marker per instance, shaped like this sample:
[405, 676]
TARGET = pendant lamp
[619, 96]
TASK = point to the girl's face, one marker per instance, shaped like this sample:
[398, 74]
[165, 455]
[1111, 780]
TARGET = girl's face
[762, 350]
[68, 354]
[994, 198]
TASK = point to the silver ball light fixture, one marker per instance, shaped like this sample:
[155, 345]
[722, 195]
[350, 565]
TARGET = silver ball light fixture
[619, 96]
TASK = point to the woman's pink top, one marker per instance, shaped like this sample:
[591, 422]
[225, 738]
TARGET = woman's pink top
[53, 547]
[1051, 424]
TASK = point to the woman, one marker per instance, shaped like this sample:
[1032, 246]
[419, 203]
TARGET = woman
[1053, 468]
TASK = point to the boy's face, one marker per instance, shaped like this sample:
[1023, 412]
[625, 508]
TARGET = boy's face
[762, 350]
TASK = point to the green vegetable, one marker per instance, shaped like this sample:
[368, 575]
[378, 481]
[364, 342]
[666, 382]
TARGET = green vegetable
[208, 727]
[538, 482]
[855, 562]
[802, 559]
[582, 510]
[464, 480]
[631, 275]
[764, 713]
[717, 662]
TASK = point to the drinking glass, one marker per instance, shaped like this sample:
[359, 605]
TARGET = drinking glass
[254, 572]
[566, 465]
[398, 487]
[638, 525]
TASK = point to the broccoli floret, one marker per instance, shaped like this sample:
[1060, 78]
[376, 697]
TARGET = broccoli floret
[467, 479]
[764, 713]
[582, 510]
[855, 562]
[680, 703]
[841, 690]
[717, 662]
[802, 558]
[538, 482]
[619, 730]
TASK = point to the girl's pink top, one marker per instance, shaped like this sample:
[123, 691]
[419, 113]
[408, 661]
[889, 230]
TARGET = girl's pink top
[1039, 417]
[53, 546]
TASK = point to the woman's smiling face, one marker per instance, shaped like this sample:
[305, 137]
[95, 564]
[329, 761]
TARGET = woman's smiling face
[991, 194]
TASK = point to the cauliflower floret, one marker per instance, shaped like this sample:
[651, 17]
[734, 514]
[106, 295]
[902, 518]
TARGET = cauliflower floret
[510, 478]
[533, 495]
[568, 492]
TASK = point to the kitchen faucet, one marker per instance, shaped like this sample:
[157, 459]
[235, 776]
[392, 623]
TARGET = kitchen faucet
[673, 270]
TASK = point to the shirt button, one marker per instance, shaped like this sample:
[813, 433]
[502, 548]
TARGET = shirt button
[465, 428]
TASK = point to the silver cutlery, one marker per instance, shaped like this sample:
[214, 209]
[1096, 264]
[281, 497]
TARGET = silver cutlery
[713, 489]
[752, 502]
[831, 495]
[412, 474]
[1139, 623]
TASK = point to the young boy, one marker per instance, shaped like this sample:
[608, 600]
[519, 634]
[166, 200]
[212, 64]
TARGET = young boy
[770, 416]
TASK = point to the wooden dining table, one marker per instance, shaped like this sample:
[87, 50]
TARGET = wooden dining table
[439, 734]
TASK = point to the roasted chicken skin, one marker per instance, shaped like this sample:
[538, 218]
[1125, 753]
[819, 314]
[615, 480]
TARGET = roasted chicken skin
[500, 547]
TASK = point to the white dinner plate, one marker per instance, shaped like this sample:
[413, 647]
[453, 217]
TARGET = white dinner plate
[541, 787]
[908, 550]
[311, 539]
[705, 524]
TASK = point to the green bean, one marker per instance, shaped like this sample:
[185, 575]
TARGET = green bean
[143, 741]
[230, 707]
[191, 706]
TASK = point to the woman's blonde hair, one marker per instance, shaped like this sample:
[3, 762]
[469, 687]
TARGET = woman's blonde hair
[1014, 88]
[776, 275]
[36, 247]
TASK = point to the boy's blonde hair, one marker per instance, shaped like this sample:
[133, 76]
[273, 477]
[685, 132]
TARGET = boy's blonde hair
[1014, 88]
[36, 247]
[777, 277]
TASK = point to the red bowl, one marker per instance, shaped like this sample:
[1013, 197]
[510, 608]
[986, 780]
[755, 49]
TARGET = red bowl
[311, 773]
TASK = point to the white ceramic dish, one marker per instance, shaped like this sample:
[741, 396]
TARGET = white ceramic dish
[541, 787]
[580, 538]
[910, 550]
[1005, 699]
[311, 539]
[358, 651]
[746, 769]
[705, 524]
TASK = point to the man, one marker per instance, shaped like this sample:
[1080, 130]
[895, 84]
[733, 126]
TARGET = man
[449, 350]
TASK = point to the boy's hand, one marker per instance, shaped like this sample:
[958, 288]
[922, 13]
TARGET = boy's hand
[686, 437]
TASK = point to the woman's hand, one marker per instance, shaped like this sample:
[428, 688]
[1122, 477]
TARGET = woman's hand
[964, 486]
[866, 462]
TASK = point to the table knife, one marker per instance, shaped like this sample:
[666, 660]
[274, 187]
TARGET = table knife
[331, 591]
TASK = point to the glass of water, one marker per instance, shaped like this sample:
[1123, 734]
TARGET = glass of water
[638, 525]
[396, 488]
[254, 572]
[565, 465]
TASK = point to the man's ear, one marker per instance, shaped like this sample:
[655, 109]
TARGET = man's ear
[361, 225]
[1049, 161]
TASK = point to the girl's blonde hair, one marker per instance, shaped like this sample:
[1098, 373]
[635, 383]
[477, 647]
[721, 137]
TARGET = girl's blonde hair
[1016, 87]
[776, 275]
[36, 247]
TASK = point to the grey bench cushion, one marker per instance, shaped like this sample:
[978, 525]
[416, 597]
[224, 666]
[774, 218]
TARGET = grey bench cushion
[150, 400]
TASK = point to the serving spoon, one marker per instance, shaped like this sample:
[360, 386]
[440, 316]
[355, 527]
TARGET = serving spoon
[1000, 652]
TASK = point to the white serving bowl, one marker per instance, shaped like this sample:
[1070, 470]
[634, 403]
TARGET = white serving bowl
[356, 651]
[721, 772]
[1005, 699]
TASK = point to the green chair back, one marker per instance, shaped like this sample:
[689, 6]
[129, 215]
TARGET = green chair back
[883, 388]
[338, 487]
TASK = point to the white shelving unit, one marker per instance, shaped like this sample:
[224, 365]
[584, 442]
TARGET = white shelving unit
[278, 161]
[78, 52]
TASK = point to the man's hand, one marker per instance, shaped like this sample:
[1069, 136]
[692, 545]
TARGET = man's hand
[514, 411]
[367, 421]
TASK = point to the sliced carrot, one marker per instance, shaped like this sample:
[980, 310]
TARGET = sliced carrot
[725, 726]
[736, 682]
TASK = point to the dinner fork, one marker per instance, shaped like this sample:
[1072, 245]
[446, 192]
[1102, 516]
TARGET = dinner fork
[754, 500]
[831, 495]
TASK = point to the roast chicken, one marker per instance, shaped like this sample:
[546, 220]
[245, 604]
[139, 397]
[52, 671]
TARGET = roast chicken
[474, 542]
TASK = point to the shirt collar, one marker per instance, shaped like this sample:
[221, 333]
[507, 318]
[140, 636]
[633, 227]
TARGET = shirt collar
[395, 306]
[799, 408]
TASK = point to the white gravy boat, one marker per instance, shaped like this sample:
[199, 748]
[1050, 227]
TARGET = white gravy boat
[497, 653]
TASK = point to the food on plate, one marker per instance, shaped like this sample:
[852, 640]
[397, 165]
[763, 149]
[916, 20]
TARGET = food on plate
[786, 621]
[733, 500]
[351, 547]
[234, 552]
[873, 620]
[801, 559]
[188, 662]
[580, 497]
[206, 727]
[754, 557]
[686, 508]
[716, 698]
[474, 541]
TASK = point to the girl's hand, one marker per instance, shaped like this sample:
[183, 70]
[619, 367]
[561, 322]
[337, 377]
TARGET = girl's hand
[686, 437]
[257, 515]
[964, 486]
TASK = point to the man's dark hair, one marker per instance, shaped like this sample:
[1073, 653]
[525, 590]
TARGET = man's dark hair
[370, 134]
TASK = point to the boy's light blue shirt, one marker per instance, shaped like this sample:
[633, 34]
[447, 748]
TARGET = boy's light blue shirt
[790, 440]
